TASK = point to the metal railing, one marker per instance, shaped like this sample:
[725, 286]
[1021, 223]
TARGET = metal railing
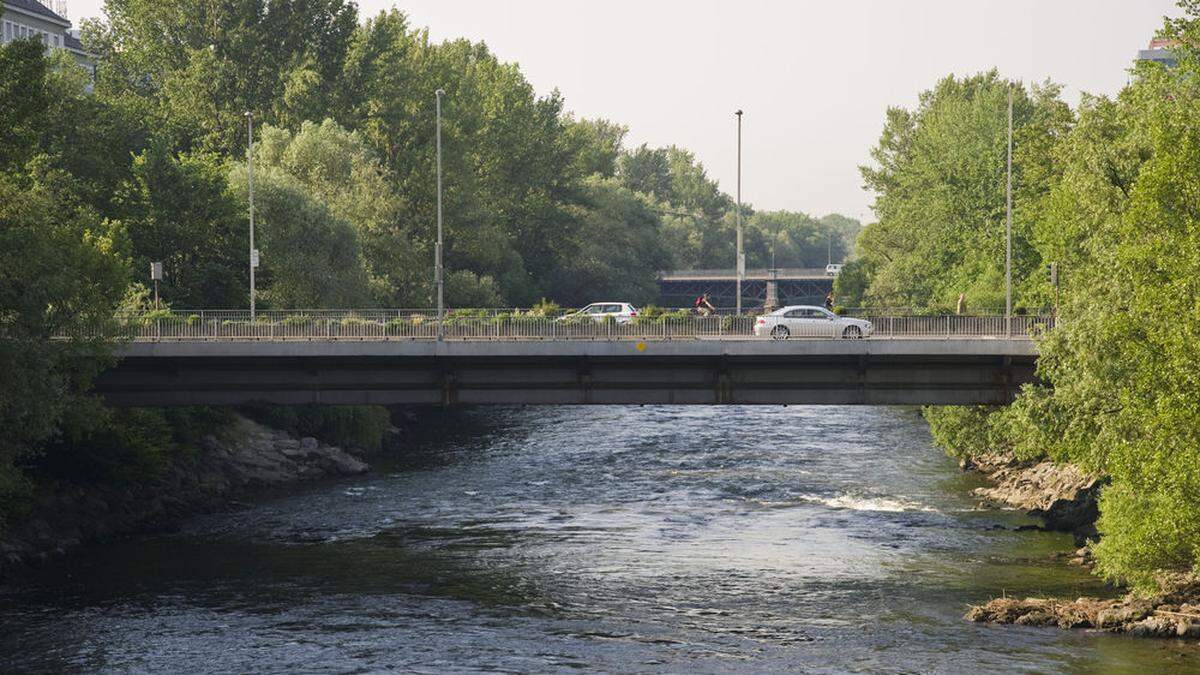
[376, 324]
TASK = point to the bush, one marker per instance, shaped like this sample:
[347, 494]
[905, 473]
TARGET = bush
[120, 446]
[547, 308]
[965, 431]
[345, 426]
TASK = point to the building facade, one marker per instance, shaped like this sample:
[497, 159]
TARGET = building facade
[22, 19]
[1159, 51]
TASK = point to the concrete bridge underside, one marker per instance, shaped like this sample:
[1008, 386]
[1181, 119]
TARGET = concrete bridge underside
[706, 372]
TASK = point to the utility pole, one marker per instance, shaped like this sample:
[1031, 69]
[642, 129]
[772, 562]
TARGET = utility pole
[1008, 225]
[829, 253]
[439, 273]
[250, 180]
[741, 259]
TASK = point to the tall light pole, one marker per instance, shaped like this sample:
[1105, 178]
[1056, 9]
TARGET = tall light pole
[1008, 225]
[250, 180]
[741, 261]
[439, 273]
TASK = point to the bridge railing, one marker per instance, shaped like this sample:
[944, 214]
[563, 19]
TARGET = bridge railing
[285, 325]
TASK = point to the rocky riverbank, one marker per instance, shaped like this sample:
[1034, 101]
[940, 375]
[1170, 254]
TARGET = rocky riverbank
[1174, 613]
[1061, 495]
[249, 455]
[1066, 499]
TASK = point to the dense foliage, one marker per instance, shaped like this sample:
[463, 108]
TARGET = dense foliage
[150, 166]
[1109, 194]
[538, 204]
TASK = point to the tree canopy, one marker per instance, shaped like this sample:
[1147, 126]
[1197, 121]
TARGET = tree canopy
[1106, 193]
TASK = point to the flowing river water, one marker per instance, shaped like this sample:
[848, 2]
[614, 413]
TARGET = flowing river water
[815, 539]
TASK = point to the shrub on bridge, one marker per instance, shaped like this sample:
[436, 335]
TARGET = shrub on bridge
[737, 324]
[547, 308]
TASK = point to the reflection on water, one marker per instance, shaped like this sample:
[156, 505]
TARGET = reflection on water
[606, 538]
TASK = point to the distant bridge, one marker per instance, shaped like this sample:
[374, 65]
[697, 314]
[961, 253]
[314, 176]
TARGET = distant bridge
[795, 286]
[385, 359]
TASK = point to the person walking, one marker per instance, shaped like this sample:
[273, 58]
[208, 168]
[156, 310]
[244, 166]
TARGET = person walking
[829, 301]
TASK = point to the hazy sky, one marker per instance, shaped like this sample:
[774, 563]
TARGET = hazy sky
[814, 77]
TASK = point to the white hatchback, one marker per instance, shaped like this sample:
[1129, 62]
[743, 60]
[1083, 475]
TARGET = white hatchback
[621, 312]
[810, 321]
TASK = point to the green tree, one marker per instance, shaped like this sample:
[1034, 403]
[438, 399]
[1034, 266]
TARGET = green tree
[939, 180]
[596, 146]
[178, 211]
[23, 100]
[61, 277]
[203, 64]
[338, 168]
[311, 258]
[616, 251]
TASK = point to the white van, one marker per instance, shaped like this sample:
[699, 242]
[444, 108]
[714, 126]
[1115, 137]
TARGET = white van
[833, 269]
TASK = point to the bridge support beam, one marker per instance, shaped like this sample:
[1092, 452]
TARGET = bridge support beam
[862, 372]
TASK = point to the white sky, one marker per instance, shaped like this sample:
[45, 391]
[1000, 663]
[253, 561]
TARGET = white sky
[814, 77]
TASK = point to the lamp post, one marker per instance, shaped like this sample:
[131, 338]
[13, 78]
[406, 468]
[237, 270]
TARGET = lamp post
[250, 181]
[439, 273]
[741, 261]
[1008, 226]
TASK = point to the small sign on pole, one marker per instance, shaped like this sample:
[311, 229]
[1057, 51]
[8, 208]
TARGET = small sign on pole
[156, 274]
[254, 258]
[741, 270]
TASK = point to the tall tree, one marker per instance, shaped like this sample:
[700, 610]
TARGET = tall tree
[940, 186]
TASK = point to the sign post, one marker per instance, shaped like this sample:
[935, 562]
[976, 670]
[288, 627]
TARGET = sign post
[156, 274]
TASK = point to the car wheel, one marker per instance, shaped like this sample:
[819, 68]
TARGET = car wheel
[852, 333]
[780, 333]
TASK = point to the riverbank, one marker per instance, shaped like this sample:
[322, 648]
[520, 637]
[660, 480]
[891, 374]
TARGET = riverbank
[244, 457]
[1173, 613]
[1066, 499]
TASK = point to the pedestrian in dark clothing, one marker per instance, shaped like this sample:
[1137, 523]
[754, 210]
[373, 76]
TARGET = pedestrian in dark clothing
[829, 301]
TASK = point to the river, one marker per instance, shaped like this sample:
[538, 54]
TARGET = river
[816, 539]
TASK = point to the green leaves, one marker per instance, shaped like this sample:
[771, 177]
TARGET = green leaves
[1122, 368]
[940, 179]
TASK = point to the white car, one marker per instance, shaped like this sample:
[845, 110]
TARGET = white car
[621, 312]
[810, 321]
[833, 269]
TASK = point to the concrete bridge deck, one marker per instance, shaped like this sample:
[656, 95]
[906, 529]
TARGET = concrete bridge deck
[480, 372]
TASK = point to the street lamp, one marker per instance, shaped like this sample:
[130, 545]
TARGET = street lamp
[439, 273]
[1008, 225]
[250, 180]
[741, 260]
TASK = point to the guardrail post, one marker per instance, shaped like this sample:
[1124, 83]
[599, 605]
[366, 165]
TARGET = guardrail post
[947, 326]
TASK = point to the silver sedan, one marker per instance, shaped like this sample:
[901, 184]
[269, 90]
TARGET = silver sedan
[812, 322]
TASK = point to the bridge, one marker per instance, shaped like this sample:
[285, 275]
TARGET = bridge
[494, 360]
[793, 286]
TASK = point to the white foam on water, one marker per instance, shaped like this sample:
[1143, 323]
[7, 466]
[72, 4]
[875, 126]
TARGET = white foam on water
[851, 502]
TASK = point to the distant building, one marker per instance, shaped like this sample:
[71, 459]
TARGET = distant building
[1160, 51]
[30, 18]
